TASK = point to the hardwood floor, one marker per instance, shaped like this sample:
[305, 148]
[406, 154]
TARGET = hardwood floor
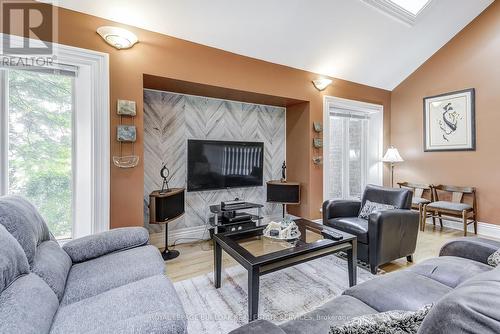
[197, 258]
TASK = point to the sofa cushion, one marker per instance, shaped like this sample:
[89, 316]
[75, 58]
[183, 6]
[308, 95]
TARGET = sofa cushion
[87, 279]
[27, 306]
[471, 308]
[449, 270]
[401, 290]
[494, 259]
[407, 322]
[335, 312]
[370, 207]
[352, 225]
[24, 222]
[150, 305]
[13, 261]
[52, 264]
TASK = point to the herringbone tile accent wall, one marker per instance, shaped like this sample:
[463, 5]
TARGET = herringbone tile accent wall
[171, 119]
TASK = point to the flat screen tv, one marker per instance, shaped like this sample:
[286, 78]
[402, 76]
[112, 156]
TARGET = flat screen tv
[224, 164]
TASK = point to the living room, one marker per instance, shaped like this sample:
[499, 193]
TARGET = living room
[249, 167]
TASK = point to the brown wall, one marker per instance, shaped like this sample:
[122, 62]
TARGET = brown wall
[470, 60]
[165, 56]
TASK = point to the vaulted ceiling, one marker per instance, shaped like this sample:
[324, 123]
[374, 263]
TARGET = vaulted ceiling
[348, 39]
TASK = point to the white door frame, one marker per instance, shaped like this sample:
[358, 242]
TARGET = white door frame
[356, 106]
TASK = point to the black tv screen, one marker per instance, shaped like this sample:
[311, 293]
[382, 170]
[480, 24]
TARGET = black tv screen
[224, 164]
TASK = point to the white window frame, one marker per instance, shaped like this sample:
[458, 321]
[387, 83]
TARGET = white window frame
[372, 167]
[91, 136]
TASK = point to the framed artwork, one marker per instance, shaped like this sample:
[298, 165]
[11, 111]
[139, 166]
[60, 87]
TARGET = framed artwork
[449, 122]
[126, 108]
[126, 133]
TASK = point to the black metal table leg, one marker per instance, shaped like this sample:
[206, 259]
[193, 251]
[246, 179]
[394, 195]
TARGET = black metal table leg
[217, 264]
[352, 259]
[253, 294]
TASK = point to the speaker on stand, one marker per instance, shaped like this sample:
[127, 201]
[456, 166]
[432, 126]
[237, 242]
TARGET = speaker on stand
[283, 192]
[165, 207]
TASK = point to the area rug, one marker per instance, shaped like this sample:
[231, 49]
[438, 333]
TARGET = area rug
[284, 294]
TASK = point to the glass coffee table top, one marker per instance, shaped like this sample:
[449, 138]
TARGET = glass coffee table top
[258, 245]
[261, 245]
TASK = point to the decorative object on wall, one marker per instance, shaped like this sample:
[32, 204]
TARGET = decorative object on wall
[126, 133]
[317, 142]
[126, 108]
[171, 119]
[318, 160]
[117, 37]
[392, 156]
[321, 83]
[449, 122]
[127, 161]
[318, 127]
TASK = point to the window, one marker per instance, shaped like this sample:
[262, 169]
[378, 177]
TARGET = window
[40, 131]
[55, 140]
[412, 6]
[352, 150]
[406, 11]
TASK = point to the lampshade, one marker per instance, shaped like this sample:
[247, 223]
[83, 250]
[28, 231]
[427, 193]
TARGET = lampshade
[392, 155]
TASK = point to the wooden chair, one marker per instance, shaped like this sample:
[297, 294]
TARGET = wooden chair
[418, 200]
[455, 208]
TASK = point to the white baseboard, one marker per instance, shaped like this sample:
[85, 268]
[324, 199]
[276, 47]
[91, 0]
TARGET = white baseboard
[180, 236]
[484, 229]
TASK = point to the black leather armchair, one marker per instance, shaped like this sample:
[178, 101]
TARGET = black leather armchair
[386, 235]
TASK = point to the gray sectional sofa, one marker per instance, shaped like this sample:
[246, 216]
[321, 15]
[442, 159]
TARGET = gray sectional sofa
[111, 282]
[464, 291]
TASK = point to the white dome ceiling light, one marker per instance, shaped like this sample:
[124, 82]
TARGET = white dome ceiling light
[117, 37]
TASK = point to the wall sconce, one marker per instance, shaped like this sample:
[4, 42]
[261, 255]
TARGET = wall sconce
[321, 84]
[117, 37]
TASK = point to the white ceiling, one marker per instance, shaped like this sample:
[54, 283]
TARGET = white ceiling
[347, 39]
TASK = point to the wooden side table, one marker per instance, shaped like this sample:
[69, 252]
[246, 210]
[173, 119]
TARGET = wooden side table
[165, 207]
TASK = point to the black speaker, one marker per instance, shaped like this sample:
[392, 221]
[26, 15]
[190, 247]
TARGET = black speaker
[167, 206]
[283, 192]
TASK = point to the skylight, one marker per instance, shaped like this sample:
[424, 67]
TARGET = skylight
[413, 6]
[403, 10]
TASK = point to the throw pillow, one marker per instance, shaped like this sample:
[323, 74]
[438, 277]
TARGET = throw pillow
[371, 207]
[494, 259]
[392, 322]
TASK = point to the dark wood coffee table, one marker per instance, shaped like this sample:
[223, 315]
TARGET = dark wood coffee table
[261, 255]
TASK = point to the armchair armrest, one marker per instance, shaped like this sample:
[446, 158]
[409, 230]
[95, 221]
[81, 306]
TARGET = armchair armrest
[258, 327]
[93, 246]
[340, 208]
[392, 234]
[477, 249]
